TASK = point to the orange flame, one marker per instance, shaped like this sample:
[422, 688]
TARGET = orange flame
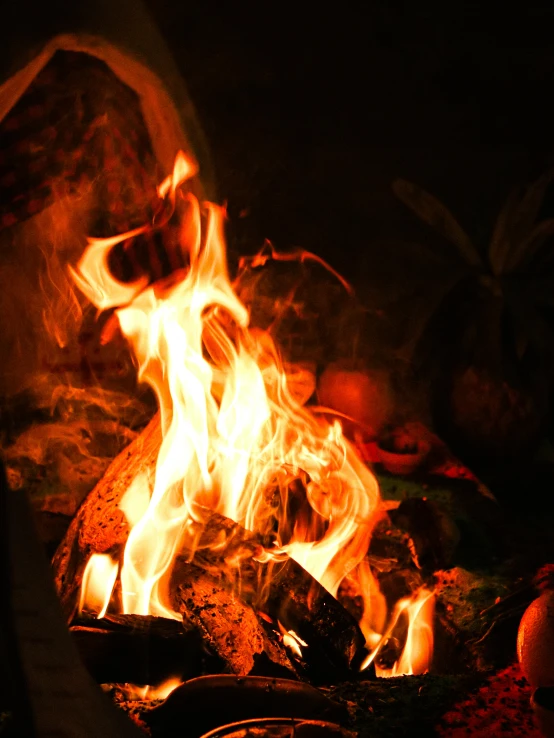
[98, 582]
[134, 692]
[233, 422]
[417, 651]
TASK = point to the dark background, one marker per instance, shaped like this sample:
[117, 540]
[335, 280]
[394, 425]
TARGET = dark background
[311, 115]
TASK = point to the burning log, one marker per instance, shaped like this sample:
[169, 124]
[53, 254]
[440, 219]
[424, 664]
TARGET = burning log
[99, 525]
[218, 633]
[292, 598]
[246, 642]
[138, 649]
[288, 594]
[335, 644]
[230, 628]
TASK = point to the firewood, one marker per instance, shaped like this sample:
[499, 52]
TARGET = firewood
[335, 642]
[99, 526]
[218, 633]
[229, 627]
[284, 591]
[399, 583]
[138, 649]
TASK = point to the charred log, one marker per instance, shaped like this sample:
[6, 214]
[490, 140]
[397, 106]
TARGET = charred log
[229, 627]
[99, 526]
[335, 644]
[434, 534]
[138, 649]
[286, 592]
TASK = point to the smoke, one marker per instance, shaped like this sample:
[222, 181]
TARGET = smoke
[69, 402]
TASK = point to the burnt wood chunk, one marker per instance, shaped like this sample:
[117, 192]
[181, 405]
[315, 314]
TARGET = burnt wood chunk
[434, 533]
[335, 644]
[286, 592]
[229, 627]
[138, 649]
[99, 526]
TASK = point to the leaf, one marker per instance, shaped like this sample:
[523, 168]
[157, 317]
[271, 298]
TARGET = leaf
[500, 240]
[527, 248]
[422, 315]
[523, 218]
[435, 214]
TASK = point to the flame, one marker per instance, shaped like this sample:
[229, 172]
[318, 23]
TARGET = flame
[234, 424]
[163, 690]
[292, 640]
[372, 622]
[98, 583]
[134, 692]
[417, 651]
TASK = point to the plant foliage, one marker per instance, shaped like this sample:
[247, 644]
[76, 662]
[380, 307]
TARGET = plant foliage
[498, 309]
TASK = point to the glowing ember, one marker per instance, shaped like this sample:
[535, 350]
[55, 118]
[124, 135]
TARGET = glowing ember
[236, 437]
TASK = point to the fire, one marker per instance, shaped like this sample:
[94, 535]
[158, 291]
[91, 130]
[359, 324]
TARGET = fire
[234, 426]
[292, 640]
[98, 582]
[417, 650]
[133, 692]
